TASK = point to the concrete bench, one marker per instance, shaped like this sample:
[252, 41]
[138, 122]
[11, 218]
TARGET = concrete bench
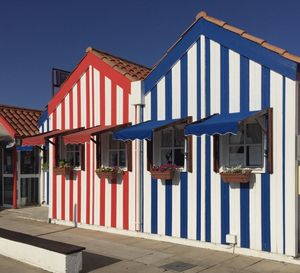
[46, 254]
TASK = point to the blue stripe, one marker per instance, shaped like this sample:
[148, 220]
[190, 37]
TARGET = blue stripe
[142, 175]
[183, 90]
[168, 227]
[265, 178]
[154, 181]
[153, 205]
[244, 188]
[229, 39]
[198, 227]
[283, 160]
[42, 118]
[183, 205]
[224, 110]
[207, 146]
[168, 185]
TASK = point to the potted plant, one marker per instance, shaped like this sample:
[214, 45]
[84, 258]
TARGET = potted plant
[236, 174]
[45, 166]
[164, 172]
[108, 172]
[63, 168]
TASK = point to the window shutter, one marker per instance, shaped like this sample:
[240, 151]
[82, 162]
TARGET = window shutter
[216, 145]
[190, 154]
[149, 154]
[129, 155]
[270, 140]
[82, 156]
[98, 151]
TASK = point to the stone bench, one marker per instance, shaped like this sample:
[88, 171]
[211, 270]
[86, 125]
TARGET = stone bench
[43, 253]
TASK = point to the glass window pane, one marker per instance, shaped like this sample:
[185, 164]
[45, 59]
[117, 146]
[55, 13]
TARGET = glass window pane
[27, 162]
[253, 133]
[122, 159]
[237, 139]
[179, 138]
[179, 157]
[254, 155]
[7, 164]
[236, 156]
[113, 144]
[166, 156]
[70, 158]
[77, 159]
[121, 144]
[113, 158]
[166, 137]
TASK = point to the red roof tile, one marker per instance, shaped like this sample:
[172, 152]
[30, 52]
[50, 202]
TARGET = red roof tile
[131, 70]
[22, 120]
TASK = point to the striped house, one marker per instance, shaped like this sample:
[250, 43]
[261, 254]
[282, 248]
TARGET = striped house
[220, 101]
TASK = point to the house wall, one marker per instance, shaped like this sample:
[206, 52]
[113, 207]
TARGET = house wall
[96, 98]
[210, 78]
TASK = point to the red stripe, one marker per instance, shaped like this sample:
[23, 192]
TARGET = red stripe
[113, 203]
[102, 99]
[113, 103]
[71, 209]
[88, 152]
[102, 201]
[53, 174]
[96, 62]
[125, 200]
[79, 172]
[63, 178]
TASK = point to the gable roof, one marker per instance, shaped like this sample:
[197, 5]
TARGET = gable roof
[131, 70]
[23, 121]
[232, 37]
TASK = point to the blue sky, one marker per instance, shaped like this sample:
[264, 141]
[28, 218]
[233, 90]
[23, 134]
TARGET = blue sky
[38, 35]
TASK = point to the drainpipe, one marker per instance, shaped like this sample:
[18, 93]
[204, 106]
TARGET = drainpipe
[14, 167]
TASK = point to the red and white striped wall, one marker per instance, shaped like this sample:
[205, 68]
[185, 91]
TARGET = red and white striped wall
[98, 95]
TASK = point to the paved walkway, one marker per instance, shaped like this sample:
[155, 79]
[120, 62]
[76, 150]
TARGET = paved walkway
[107, 252]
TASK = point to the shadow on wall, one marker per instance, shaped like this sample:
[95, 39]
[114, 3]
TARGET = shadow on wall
[93, 261]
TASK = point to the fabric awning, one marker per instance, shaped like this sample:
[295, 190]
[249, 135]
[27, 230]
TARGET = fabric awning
[219, 124]
[40, 139]
[85, 135]
[144, 130]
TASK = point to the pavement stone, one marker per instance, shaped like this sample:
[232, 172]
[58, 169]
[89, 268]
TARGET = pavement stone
[266, 266]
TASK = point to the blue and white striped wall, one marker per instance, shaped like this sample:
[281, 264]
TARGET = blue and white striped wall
[211, 78]
[43, 124]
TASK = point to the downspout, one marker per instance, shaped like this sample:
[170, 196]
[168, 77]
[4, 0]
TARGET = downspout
[14, 167]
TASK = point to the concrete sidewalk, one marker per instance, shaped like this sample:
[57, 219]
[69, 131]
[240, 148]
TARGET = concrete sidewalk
[107, 252]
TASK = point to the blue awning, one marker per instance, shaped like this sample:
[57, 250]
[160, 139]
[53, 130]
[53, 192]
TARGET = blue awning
[25, 148]
[219, 124]
[142, 130]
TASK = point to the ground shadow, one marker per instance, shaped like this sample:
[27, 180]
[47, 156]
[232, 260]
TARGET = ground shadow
[93, 261]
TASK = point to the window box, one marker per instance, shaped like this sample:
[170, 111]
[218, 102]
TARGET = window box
[65, 170]
[164, 172]
[110, 173]
[236, 177]
[164, 175]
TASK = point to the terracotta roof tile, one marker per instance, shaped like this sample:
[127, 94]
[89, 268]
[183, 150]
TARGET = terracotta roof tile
[22, 120]
[233, 29]
[253, 38]
[131, 70]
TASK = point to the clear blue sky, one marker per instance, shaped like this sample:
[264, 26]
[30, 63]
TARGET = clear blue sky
[37, 35]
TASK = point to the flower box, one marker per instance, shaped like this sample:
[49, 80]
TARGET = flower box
[62, 170]
[108, 175]
[164, 175]
[241, 177]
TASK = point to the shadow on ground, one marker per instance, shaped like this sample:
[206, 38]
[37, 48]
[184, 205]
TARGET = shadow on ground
[93, 261]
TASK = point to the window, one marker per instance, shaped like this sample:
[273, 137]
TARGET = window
[116, 152]
[73, 154]
[171, 146]
[30, 162]
[246, 148]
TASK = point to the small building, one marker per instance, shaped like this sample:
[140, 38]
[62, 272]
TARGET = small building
[19, 166]
[205, 144]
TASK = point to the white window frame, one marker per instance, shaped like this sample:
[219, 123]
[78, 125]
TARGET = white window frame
[225, 146]
[157, 147]
[105, 151]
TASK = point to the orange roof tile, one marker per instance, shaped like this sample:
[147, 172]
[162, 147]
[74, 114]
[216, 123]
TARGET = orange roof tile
[131, 70]
[23, 120]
